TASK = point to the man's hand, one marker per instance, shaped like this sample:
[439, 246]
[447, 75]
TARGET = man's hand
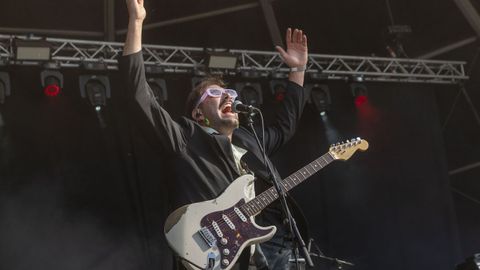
[136, 10]
[136, 13]
[297, 50]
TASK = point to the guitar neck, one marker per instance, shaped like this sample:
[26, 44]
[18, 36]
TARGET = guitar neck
[261, 201]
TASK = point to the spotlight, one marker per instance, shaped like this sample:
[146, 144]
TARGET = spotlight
[222, 61]
[356, 78]
[250, 93]
[52, 82]
[320, 97]
[33, 50]
[96, 89]
[360, 93]
[279, 89]
[4, 86]
[159, 89]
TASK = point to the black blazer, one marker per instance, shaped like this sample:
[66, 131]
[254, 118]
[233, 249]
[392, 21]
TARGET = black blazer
[202, 164]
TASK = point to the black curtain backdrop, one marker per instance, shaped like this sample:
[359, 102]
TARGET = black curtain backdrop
[76, 195]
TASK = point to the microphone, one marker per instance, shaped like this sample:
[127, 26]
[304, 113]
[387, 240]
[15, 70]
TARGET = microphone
[239, 107]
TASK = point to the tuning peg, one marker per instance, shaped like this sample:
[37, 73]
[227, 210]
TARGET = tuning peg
[358, 139]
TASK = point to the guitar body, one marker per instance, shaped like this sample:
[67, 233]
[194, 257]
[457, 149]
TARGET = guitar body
[212, 234]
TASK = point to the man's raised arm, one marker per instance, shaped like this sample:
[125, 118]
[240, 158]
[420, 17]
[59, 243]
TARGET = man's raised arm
[136, 15]
[296, 55]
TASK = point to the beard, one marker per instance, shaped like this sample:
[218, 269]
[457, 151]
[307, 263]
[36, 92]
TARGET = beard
[228, 123]
[224, 124]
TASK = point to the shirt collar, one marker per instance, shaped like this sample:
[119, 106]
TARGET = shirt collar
[237, 150]
[210, 130]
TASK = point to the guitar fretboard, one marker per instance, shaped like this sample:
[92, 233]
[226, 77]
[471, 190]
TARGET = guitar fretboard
[261, 201]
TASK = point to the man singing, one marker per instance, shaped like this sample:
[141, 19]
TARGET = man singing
[207, 148]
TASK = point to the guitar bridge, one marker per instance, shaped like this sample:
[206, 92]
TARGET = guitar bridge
[207, 236]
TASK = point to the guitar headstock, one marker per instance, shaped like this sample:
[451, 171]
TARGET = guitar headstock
[344, 150]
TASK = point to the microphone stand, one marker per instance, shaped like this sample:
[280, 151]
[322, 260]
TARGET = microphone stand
[282, 197]
[339, 263]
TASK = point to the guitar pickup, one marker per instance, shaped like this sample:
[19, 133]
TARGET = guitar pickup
[208, 237]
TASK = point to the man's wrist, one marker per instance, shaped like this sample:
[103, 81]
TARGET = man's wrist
[135, 21]
[298, 69]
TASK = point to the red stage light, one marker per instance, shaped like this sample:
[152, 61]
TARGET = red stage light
[52, 82]
[51, 90]
[279, 97]
[360, 100]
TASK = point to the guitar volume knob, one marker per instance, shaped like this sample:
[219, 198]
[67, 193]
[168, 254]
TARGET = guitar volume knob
[225, 262]
[226, 252]
[223, 241]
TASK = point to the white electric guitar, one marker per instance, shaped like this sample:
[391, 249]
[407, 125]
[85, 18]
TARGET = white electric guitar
[212, 234]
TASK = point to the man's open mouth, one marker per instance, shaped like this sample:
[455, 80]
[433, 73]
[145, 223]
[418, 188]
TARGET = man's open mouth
[227, 109]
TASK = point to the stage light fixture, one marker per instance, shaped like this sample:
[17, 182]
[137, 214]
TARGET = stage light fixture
[251, 74]
[222, 61]
[360, 93]
[358, 78]
[278, 89]
[32, 50]
[4, 86]
[155, 70]
[159, 89]
[320, 97]
[250, 93]
[318, 76]
[96, 89]
[278, 75]
[52, 82]
[94, 66]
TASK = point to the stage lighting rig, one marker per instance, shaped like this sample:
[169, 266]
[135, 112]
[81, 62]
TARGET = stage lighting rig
[157, 84]
[159, 89]
[320, 97]
[251, 74]
[32, 50]
[359, 93]
[52, 82]
[94, 66]
[96, 89]
[4, 86]
[250, 93]
[225, 60]
[278, 89]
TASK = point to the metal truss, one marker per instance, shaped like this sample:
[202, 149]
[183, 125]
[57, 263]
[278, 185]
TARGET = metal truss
[174, 59]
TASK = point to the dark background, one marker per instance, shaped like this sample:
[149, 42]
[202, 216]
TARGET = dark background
[74, 195]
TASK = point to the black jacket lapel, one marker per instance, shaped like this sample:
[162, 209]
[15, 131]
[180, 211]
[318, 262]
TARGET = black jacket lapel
[226, 149]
